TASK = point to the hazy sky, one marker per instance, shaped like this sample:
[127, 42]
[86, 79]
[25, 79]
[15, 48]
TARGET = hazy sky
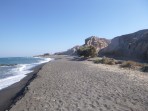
[30, 27]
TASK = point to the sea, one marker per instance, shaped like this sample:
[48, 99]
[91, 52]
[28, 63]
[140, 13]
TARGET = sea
[13, 69]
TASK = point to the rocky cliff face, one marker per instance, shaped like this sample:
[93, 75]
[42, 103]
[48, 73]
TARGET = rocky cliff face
[98, 43]
[72, 51]
[133, 45]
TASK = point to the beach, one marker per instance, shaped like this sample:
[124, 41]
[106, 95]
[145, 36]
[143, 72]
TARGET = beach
[69, 84]
[11, 94]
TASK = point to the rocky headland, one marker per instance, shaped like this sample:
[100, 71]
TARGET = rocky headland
[71, 51]
[98, 43]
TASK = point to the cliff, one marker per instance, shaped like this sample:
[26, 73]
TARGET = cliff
[134, 45]
[98, 43]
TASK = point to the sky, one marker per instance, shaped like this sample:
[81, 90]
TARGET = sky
[32, 27]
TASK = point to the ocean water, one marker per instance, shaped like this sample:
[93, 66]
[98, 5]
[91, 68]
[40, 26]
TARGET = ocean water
[13, 69]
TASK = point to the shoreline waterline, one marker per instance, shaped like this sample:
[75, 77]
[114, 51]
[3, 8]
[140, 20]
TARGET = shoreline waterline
[14, 92]
[12, 74]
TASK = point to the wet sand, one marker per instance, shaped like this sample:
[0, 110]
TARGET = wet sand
[67, 84]
[11, 94]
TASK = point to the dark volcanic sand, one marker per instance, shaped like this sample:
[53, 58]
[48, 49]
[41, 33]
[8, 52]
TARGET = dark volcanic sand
[12, 93]
[69, 85]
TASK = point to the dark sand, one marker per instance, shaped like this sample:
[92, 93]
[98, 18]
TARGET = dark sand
[68, 84]
[11, 94]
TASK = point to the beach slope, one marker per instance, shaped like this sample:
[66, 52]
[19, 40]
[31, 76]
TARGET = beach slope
[66, 84]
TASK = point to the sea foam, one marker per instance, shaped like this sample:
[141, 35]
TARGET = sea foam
[20, 71]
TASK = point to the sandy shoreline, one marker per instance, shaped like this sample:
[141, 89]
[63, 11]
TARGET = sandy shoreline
[67, 84]
[9, 95]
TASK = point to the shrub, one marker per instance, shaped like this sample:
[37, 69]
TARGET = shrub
[97, 61]
[145, 68]
[46, 54]
[130, 64]
[87, 51]
[105, 60]
[119, 62]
